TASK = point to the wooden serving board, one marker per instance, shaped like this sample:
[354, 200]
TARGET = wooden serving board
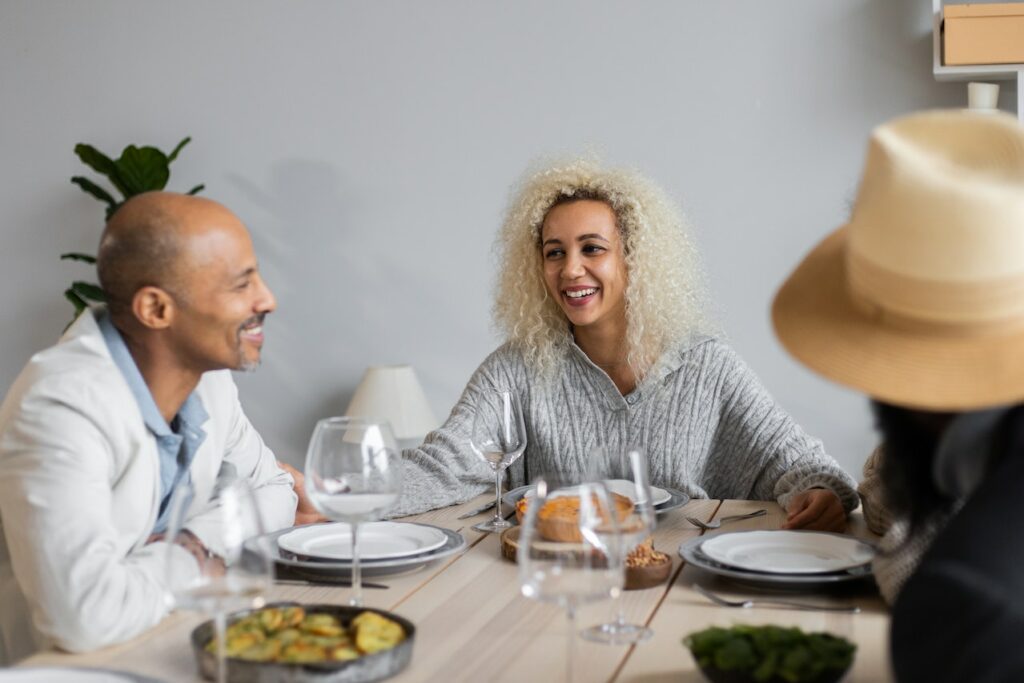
[636, 577]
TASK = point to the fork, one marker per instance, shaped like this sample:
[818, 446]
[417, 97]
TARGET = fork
[707, 526]
[772, 602]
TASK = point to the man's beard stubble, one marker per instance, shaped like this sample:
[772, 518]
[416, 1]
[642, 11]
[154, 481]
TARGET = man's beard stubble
[244, 364]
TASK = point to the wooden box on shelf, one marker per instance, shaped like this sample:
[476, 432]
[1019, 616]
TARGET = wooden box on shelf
[984, 34]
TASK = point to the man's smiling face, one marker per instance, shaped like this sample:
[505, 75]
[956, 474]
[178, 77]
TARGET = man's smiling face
[223, 299]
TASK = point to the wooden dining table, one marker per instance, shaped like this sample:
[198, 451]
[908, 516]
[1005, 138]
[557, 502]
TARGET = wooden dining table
[473, 624]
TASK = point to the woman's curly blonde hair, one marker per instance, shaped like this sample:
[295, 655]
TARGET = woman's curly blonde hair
[665, 300]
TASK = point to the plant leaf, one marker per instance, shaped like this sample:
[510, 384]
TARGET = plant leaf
[101, 163]
[75, 256]
[94, 159]
[78, 302]
[142, 169]
[197, 189]
[94, 189]
[86, 290]
[174, 153]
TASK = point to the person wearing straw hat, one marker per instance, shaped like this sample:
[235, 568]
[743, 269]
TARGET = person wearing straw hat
[919, 303]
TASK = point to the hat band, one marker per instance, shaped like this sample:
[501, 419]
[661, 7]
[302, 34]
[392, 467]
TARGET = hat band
[921, 304]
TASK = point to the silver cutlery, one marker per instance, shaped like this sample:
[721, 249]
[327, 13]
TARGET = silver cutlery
[477, 511]
[326, 582]
[707, 526]
[772, 602]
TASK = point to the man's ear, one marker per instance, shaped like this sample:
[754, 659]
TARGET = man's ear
[153, 307]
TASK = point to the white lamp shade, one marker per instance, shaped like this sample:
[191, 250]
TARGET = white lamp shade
[393, 393]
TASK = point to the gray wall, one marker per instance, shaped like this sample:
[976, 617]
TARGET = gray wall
[369, 147]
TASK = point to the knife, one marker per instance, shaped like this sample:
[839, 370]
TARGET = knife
[325, 582]
[477, 511]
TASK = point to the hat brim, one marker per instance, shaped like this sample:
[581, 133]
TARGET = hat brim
[819, 324]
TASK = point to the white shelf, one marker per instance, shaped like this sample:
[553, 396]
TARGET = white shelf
[980, 72]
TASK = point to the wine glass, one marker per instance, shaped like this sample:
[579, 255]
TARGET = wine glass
[353, 475]
[499, 438]
[584, 565]
[225, 538]
[629, 472]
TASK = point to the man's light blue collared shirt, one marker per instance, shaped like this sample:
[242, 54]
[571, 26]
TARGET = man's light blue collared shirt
[177, 442]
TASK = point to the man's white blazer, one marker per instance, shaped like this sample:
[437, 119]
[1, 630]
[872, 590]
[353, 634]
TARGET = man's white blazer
[80, 492]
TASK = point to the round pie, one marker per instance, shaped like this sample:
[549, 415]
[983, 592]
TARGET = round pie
[558, 520]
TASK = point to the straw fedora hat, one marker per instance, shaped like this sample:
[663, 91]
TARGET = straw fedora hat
[919, 300]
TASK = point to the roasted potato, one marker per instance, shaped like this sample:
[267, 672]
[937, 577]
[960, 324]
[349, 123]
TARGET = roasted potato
[375, 633]
[289, 634]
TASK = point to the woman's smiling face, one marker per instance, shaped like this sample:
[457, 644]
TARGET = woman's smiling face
[584, 263]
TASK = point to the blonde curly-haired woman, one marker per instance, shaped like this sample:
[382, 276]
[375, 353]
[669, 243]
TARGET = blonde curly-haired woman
[601, 301]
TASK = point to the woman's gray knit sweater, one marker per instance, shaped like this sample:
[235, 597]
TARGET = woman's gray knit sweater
[705, 422]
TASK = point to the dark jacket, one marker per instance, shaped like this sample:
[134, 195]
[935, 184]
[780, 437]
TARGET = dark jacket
[960, 617]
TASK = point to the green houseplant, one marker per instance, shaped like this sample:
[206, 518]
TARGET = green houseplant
[137, 170]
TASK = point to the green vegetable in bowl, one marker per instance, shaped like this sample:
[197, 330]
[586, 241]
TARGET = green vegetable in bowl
[771, 652]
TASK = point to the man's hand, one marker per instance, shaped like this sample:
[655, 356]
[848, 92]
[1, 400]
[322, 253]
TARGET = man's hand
[209, 564]
[305, 513]
[816, 509]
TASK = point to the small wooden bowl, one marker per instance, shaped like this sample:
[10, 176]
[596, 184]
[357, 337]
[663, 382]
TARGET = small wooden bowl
[638, 578]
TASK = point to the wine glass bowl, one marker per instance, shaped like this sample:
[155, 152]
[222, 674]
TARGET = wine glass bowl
[571, 574]
[498, 438]
[228, 548]
[353, 475]
[634, 529]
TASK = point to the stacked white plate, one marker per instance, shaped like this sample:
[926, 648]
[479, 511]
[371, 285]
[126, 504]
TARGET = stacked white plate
[50, 675]
[664, 499]
[796, 558]
[325, 550]
[377, 541]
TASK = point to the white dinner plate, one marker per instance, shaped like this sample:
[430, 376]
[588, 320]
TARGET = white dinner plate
[291, 566]
[626, 488]
[63, 675]
[623, 487]
[377, 540]
[788, 552]
[690, 551]
[676, 499]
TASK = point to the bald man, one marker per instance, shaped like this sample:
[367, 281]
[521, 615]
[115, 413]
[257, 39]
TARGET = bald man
[135, 399]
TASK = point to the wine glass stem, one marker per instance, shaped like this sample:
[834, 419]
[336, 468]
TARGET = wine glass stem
[570, 643]
[357, 580]
[620, 612]
[219, 628]
[620, 601]
[497, 495]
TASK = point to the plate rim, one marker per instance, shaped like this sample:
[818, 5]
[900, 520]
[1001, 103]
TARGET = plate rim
[652, 486]
[677, 500]
[734, 534]
[689, 552]
[128, 676]
[456, 544]
[320, 558]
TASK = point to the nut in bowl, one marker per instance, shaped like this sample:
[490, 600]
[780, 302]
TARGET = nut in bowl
[558, 520]
[646, 567]
[298, 643]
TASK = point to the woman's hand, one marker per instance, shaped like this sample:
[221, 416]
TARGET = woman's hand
[816, 509]
[305, 513]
